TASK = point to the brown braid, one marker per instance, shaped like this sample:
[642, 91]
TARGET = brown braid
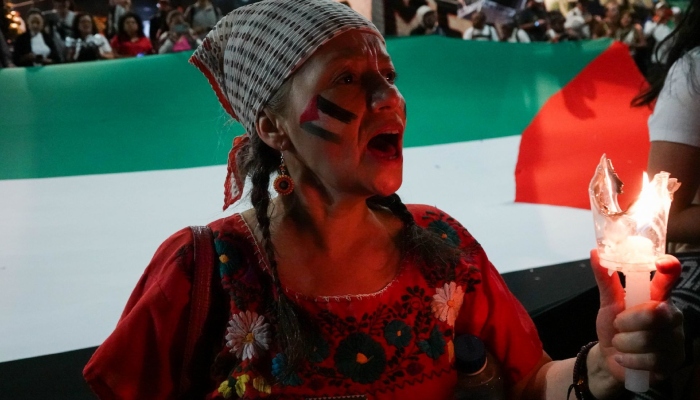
[434, 255]
[262, 161]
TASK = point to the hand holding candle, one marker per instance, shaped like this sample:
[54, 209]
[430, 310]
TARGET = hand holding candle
[631, 241]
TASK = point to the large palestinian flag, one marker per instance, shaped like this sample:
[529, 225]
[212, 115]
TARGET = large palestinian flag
[100, 162]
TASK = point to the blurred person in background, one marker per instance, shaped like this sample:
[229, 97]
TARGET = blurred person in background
[86, 43]
[59, 23]
[428, 22]
[674, 132]
[655, 31]
[512, 34]
[630, 33]
[557, 31]
[480, 31]
[117, 9]
[180, 37]
[674, 127]
[159, 23]
[608, 25]
[35, 47]
[578, 19]
[130, 40]
[202, 16]
[60, 18]
[5, 55]
[533, 20]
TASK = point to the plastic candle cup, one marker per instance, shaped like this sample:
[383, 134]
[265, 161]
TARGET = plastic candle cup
[631, 241]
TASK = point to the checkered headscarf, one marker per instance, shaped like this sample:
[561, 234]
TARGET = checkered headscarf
[254, 49]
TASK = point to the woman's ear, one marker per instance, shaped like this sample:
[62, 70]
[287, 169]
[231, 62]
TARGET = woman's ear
[271, 130]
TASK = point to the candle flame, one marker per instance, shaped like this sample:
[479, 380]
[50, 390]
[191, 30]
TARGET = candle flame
[637, 235]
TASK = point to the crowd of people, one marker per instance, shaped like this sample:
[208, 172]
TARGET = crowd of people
[64, 34]
[643, 29]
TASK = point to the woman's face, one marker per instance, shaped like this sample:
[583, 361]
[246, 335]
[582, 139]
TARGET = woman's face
[625, 20]
[176, 20]
[612, 11]
[131, 27]
[345, 119]
[85, 25]
[35, 23]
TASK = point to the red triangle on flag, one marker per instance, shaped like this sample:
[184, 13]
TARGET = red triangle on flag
[590, 116]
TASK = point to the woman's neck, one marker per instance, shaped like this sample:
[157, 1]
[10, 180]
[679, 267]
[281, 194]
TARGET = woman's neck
[330, 227]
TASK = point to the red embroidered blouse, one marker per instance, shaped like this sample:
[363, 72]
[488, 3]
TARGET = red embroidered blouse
[396, 343]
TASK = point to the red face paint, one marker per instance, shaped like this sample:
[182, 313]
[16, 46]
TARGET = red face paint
[310, 113]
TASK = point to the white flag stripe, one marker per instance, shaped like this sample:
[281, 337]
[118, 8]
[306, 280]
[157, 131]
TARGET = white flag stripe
[72, 249]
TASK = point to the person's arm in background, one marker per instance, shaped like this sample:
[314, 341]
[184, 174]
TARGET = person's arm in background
[674, 131]
[682, 161]
[494, 34]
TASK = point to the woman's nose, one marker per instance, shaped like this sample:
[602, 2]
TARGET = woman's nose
[383, 95]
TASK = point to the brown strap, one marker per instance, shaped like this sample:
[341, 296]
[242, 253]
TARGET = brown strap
[200, 299]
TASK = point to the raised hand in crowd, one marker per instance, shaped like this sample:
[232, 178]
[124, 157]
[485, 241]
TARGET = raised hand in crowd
[179, 37]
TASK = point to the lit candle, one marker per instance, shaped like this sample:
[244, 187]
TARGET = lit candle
[630, 241]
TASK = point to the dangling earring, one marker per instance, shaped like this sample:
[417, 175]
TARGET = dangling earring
[283, 184]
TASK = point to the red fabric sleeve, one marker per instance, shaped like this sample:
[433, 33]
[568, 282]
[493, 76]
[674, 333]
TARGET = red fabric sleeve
[140, 359]
[490, 312]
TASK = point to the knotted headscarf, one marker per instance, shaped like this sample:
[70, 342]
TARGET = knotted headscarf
[254, 49]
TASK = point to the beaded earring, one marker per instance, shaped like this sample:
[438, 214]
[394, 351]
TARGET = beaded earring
[283, 184]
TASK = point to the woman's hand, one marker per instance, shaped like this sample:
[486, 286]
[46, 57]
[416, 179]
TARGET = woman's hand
[647, 337]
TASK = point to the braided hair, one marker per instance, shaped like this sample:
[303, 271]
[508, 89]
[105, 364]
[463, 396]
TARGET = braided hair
[259, 161]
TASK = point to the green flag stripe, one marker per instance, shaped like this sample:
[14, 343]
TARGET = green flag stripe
[159, 112]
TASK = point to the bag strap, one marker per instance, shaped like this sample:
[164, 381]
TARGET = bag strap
[200, 299]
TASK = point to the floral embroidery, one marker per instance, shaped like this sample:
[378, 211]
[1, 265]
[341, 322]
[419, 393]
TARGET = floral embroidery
[225, 389]
[320, 351]
[398, 334]
[360, 358]
[451, 351]
[240, 384]
[248, 333]
[279, 364]
[434, 346]
[229, 259]
[447, 302]
[261, 386]
[445, 231]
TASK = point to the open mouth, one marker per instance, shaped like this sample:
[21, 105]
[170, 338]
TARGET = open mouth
[385, 146]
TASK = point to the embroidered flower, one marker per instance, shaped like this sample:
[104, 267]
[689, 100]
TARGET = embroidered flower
[451, 350]
[434, 346]
[240, 384]
[445, 231]
[279, 364]
[229, 259]
[397, 333]
[447, 302]
[248, 334]
[320, 351]
[261, 386]
[360, 358]
[225, 389]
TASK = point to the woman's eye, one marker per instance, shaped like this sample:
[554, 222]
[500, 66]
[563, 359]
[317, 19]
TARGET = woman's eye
[346, 79]
[391, 76]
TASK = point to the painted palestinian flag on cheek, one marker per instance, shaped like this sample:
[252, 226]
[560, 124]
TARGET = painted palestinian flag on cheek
[100, 162]
[325, 119]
